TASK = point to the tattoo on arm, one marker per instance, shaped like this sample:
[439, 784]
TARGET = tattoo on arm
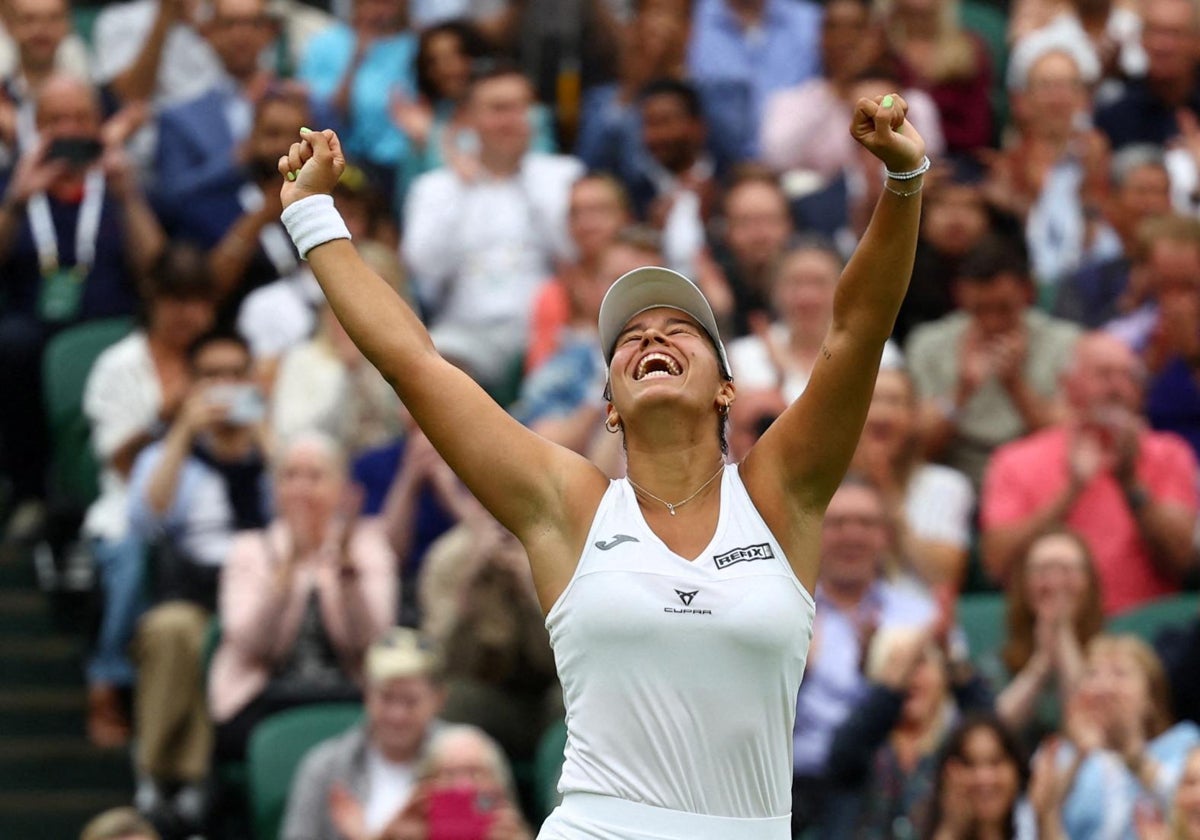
[825, 351]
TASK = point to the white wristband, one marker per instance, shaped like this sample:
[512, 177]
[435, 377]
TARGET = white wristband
[313, 221]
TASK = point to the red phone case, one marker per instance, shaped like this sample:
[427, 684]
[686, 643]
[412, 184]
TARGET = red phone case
[458, 814]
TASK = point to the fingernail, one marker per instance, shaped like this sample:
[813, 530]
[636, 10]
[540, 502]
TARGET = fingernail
[305, 130]
[291, 176]
[887, 102]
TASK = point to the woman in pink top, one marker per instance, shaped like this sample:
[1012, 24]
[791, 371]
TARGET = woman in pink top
[300, 601]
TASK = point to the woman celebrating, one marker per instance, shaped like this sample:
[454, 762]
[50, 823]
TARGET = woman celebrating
[677, 599]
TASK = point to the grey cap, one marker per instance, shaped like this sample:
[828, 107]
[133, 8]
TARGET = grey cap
[651, 287]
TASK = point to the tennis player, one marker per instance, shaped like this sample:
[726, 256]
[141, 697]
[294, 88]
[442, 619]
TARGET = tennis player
[677, 599]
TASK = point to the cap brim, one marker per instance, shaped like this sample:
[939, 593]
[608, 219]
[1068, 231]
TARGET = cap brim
[651, 287]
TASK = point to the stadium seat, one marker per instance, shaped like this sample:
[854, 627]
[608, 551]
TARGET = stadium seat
[981, 616]
[1148, 620]
[65, 367]
[276, 749]
[548, 766]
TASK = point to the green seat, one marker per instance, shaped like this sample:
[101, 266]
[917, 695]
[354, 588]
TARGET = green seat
[276, 748]
[1148, 620]
[548, 766]
[66, 364]
[981, 616]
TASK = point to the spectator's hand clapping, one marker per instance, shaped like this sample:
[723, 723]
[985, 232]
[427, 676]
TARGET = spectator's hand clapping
[346, 813]
[413, 116]
[34, 173]
[1008, 353]
[1049, 783]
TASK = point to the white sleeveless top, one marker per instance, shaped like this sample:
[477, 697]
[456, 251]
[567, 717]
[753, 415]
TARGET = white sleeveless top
[680, 677]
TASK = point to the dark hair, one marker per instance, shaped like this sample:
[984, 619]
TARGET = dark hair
[489, 68]
[470, 41]
[682, 91]
[285, 93]
[215, 336]
[954, 748]
[180, 273]
[993, 256]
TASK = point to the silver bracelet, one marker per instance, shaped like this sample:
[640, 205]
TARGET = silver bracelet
[894, 191]
[921, 169]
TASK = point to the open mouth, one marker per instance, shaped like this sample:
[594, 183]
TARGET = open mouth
[656, 364]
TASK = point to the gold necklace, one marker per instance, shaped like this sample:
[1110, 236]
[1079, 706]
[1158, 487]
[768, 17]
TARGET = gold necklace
[671, 507]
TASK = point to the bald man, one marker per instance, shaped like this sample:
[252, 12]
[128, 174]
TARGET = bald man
[75, 234]
[1129, 491]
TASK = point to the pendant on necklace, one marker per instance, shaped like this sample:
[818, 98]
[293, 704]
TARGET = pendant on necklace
[671, 509]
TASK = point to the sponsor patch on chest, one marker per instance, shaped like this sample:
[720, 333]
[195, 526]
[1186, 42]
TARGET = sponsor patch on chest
[745, 554]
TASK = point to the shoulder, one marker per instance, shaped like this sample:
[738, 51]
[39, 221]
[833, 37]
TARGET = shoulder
[1031, 450]
[114, 19]
[543, 164]
[130, 353]
[332, 758]
[942, 480]
[1168, 448]
[432, 185]
[1051, 328]
[935, 333]
[145, 461]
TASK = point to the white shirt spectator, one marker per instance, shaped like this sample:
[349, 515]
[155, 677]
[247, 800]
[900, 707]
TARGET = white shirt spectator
[278, 316]
[478, 252]
[121, 399]
[938, 505]
[754, 367]
[389, 787]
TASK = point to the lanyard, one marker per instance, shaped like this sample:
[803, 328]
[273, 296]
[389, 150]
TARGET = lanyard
[87, 228]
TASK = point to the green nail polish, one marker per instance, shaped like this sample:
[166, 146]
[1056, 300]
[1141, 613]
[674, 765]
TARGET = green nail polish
[291, 176]
[305, 130]
[887, 102]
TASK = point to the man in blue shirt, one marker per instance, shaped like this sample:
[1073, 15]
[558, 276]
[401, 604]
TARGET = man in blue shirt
[742, 51]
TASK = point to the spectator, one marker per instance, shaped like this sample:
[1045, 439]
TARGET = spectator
[436, 120]
[934, 53]
[675, 188]
[751, 414]
[483, 232]
[352, 69]
[1129, 492]
[800, 127]
[1146, 111]
[854, 599]
[564, 400]
[118, 824]
[610, 128]
[597, 211]
[1167, 273]
[1121, 729]
[463, 759]
[477, 595]
[930, 506]
[987, 374]
[742, 51]
[1112, 31]
[350, 787]
[1141, 190]
[75, 238]
[955, 219]
[1053, 176]
[300, 600]
[756, 229]
[1053, 611]
[188, 495]
[978, 784]
[883, 758]
[42, 43]
[155, 50]
[238, 218]
[133, 387]
[326, 384]
[202, 141]
[782, 354]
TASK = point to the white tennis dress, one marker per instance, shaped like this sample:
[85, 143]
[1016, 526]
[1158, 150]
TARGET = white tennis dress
[679, 679]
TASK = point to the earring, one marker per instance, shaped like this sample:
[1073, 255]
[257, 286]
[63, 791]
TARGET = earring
[610, 427]
[724, 409]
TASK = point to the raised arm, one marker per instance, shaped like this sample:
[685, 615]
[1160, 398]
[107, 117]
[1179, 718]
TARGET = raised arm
[543, 493]
[807, 450]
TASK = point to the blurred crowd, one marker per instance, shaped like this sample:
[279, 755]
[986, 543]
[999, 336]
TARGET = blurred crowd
[267, 530]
